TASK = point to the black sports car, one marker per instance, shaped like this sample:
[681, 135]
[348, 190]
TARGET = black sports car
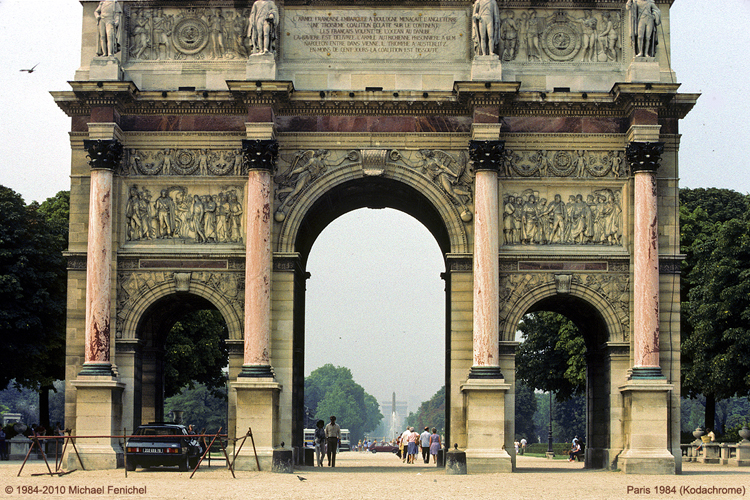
[162, 444]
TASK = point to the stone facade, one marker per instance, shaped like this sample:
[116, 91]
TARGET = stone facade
[510, 130]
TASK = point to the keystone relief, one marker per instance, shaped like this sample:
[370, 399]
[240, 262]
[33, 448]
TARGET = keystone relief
[177, 214]
[450, 172]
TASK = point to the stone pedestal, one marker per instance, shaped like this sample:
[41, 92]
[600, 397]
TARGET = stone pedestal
[257, 409]
[261, 67]
[644, 70]
[105, 69]
[487, 68]
[645, 422]
[98, 413]
[742, 456]
[485, 426]
[18, 447]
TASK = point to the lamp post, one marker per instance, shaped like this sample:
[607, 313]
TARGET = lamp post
[550, 453]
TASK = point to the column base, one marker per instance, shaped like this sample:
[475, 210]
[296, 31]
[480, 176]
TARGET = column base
[261, 67]
[485, 426]
[105, 69]
[257, 410]
[98, 413]
[487, 68]
[646, 424]
[488, 461]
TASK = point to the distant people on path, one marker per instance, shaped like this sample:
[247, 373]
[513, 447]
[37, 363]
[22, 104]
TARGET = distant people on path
[413, 441]
[434, 445]
[424, 442]
[574, 450]
[319, 440]
[404, 444]
[333, 435]
[523, 445]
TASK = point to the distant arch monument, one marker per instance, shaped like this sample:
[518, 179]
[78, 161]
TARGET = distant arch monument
[211, 143]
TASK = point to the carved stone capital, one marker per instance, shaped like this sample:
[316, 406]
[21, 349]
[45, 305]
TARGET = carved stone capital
[644, 156]
[103, 154]
[260, 154]
[486, 155]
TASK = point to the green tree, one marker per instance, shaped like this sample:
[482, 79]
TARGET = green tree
[552, 356]
[196, 352]
[203, 407]
[430, 414]
[525, 410]
[702, 213]
[716, 353]
[331, 390]
[33, 292]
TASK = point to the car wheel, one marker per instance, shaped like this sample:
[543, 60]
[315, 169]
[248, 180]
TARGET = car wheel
[130, 464]
[184, 466]
[193, 462]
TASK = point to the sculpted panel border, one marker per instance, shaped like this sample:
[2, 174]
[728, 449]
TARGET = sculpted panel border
[608, 291]
[138, 290]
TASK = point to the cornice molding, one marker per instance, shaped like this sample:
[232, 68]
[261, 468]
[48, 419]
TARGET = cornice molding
[621, 101]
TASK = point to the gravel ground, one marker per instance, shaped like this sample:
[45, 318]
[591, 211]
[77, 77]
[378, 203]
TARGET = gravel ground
[376, 476]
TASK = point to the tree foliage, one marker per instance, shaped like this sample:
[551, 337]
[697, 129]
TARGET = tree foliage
[430, 414]
[715, 236]
[196, 352]
[33, 288]
[525, 410]
[204, 408]
[552, 356]
[331, 390]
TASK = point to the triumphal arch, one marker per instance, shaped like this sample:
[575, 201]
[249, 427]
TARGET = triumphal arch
[212, 141]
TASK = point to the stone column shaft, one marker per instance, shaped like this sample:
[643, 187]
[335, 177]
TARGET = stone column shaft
[104, 155]
[486, 355]
[259, 159]
[644, 159]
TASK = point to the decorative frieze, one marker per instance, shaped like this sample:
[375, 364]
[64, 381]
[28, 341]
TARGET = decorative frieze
[564, 163]
[180, 214]
[585, 217]
[185, 162]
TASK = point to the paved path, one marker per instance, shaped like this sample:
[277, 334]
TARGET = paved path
[378, 476]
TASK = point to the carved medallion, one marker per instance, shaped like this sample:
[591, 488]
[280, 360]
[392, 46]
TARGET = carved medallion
[561, 41]
[185, 163]
[563, 164]
[190, 36]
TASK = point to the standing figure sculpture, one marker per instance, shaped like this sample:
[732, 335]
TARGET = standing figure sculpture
[262, 28]
[645, 16]
[107, 16]
[486, 19]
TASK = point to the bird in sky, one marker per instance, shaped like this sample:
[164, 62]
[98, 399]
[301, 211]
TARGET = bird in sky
[30, 70]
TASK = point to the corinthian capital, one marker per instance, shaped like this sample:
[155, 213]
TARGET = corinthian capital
[644, 156]
[103, 153]
[259, 154]
[486, 155]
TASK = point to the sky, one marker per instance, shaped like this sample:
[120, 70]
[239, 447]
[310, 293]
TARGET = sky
[379, 297]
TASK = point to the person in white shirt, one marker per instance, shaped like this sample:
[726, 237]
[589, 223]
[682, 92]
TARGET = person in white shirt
[424, 443]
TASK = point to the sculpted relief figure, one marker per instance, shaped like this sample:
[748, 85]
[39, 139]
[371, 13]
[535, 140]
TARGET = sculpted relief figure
[107, 16]
[645, 16]
[264, 17]
[485, 19]
[508, 37]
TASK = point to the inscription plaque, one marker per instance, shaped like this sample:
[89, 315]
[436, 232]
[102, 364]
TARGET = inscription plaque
[383, 34]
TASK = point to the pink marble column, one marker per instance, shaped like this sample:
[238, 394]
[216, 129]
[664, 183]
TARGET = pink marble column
[104, 155]
[259, 158]
[644, 161]
[486, 156]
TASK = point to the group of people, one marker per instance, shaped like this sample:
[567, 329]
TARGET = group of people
[410, 443]
[327, 439]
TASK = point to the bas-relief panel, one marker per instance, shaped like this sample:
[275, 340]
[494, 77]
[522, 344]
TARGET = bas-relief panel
[555, 36]
[563, 216]
[184, 214]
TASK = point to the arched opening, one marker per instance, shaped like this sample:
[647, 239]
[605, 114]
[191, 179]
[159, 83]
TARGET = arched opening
[181, 345]
[567, 345]
[375, 299]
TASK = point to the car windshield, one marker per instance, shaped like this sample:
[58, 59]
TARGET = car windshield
[158, 431]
